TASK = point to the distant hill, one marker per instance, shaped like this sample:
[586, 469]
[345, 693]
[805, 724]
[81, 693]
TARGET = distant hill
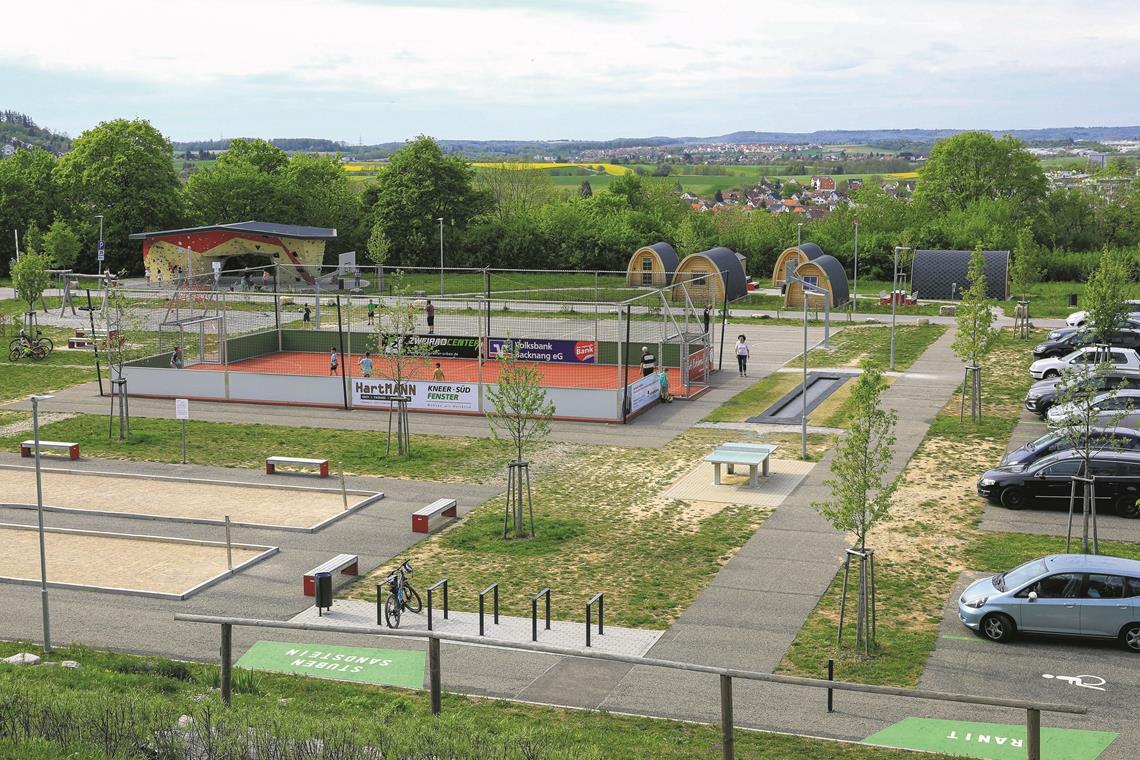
[19, 131]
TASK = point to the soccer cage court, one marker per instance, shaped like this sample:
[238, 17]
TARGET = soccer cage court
[585, 339]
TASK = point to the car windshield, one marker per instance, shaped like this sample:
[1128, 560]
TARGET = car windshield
[1019, 575]
[1042, 442]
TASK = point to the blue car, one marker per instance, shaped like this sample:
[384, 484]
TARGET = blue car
[1083, 595]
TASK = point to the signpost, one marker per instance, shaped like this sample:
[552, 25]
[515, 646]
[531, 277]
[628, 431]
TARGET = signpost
[182, 413]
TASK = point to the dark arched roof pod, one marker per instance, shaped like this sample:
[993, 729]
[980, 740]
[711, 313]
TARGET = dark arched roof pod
[811, 250]
[735, 281]
[935, 273]
[668, 256]
[836, 276]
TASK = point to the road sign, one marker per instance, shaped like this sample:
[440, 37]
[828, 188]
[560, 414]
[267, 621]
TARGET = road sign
[386, 667]
[181, 409]
[101, 244]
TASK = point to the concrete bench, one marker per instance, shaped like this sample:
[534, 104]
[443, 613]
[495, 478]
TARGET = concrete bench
[445, 507]
[271, 464]
[753, 459]
[751, 447]
[27, 448]
[347, 564]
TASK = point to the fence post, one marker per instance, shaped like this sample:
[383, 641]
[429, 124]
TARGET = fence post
[830, 677]
[1033, 734]
[227, 651]
[727, 741]
[433, 674]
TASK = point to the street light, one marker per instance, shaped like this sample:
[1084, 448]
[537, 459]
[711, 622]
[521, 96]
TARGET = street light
[894, 300]
[855, 283]
[100, 254]
[40, 510]
[440, 220]
[799, 232]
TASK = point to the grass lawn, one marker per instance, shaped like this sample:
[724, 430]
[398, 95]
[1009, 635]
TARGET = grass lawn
[930, 538]
[113, 704]
[602, 525]
[755, 399]
[230, 445]
[1050, 300]
[854, 345]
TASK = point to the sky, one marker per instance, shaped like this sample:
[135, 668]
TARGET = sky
[386, 70]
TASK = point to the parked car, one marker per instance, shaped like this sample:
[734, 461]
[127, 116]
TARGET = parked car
[1060, 595]
[1083, 358]
[1081, 338]
[1121, 438]
[1044, 393]
[1131, 322]
[1048, 481]
[1118, 408]
[1081, 318]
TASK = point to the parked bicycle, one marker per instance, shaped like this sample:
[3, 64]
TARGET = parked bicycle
[401, 595]
[24, 347]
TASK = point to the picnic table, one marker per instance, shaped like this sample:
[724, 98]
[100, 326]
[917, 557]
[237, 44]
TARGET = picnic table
[754, 455]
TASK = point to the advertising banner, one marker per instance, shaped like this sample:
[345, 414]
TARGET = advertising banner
[644, 392]
[424, 394]
[438, 346]
[532, 350]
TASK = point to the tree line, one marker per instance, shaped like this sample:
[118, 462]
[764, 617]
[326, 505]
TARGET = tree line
[974, 190]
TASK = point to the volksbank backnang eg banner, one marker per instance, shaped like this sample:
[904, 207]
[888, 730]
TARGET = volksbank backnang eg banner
[424, 394]
[541, 350]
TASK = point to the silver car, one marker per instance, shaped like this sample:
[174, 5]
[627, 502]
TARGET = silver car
[1060, 595]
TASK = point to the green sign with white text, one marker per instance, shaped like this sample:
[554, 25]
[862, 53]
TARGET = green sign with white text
[383, 667]
[996, 741]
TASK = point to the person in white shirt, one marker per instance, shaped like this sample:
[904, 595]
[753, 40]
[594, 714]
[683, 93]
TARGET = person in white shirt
[742, 352]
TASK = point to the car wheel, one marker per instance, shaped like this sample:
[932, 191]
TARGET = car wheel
[998, 627]
[1014, 498]
[1049, 374]
[1130, 637]
[1126, 506]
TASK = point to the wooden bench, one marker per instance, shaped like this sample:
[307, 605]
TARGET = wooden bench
[271, 464]
[347, 564]
[445, 507]
[752, 447]
[27, 448]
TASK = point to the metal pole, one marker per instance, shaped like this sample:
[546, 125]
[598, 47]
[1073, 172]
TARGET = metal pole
[183, 441]
[433, 675]
[229, 546]
[40, 511]
[803, 390]
[440, 220]
[227, 671]
[343, 358]
[727, 740]
[95, 341]
[894, 305]
[830, 677]
[100, 262]
[343, 490]
[799, 232]
[855, 282]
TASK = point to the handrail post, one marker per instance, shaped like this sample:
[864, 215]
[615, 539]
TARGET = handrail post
[601, 612]
[830, 677]
[227, 670]
[494, 587]
[429, 607]
[548, 609]
[496, 604]
[433, 674]
[727, 740]
[1032, 734]
[534, 613]
[480, 614]
[430, 589]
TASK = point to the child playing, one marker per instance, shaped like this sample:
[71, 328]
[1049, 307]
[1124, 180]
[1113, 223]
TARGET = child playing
[333, 359]
[366, 364]
[438, 374]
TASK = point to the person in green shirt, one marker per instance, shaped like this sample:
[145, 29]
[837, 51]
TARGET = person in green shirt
[371, 312]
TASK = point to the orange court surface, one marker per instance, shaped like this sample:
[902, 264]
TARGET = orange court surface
[554, 374]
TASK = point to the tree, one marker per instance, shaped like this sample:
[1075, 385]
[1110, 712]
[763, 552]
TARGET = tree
[61, 245]
[400, 355]
[860, 497]
[379, 249]
[27, 194]
[1105, 294]
[30, 278]
[515, 189]
[263, 155]
[584, 190]
[121, 169]
[420, 185]
[521, 415]
[976, 333]
[974, 165]
[126, 322]
[1026, 270]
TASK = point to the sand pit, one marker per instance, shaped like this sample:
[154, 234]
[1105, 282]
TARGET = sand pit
[157, 567]
[176, 499]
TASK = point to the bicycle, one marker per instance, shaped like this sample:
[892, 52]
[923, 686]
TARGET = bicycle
[401, 596]
[24, 348]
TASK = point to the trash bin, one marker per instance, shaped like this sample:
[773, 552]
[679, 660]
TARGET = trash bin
[324, 592]
[1072, 299]
[340, 283]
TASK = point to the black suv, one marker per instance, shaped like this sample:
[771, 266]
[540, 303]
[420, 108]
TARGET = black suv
[1048, 482]
[1043, 393]
[1079, 339]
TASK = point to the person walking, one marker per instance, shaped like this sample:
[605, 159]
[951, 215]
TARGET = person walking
[333, 361]
[371, 312]
[366, 364]
[648, 362]
[707, 317]
[307, 317]
[265, 279]
[438, 374]
[742, 353]
[356, 277]
[430, 309]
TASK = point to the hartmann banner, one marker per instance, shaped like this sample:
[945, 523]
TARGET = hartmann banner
[532, 350]
[423, 394]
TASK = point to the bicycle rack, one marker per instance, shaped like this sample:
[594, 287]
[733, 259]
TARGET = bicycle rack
[432, 588]
[482, 596]
[534, 613]
[380, 601]
[601, 615]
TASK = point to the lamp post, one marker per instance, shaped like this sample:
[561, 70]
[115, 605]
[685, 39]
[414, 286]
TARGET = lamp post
[440, 220]
[100, 254]
[894, 300]
[855, 281]
[40, 511]
[799, 232]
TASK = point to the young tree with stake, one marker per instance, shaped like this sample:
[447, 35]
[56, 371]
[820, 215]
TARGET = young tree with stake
[976, 333]
[399, 355]
[520, 415]
[860, 499]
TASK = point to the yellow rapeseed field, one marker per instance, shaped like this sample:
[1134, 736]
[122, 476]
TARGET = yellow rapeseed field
[535, 165]
[904, 175]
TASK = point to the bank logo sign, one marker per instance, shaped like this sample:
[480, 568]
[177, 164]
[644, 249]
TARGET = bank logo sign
[384, 667]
